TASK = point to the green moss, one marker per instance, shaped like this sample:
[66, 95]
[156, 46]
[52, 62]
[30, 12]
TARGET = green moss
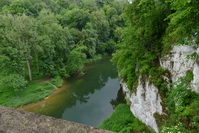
[189, 77]
[123, 121]
[192, 56]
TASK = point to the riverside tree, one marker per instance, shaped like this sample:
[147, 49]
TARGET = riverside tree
[41, 38]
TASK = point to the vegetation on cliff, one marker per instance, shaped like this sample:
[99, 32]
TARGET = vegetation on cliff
[40, 38]
[123, 121]
[153, 27]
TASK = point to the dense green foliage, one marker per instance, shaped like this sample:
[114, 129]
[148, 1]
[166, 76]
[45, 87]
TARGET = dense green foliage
[138, 54]
[123, 121]
[184, 22]
[40, 38]
[55, 37]
[183, 105]
[52, 38]
[153, 28]
[56, 81]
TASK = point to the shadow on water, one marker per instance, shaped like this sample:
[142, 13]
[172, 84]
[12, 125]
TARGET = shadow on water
[87, 99]
[120, 99]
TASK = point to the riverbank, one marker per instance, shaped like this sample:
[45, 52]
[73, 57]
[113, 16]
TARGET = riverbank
[83, 94]
[35, 91]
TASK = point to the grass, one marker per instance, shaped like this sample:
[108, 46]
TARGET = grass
[123, 121]
[35, 91]
[57, 81]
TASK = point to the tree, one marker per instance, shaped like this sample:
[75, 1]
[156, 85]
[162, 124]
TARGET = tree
[20, 34]
[74, 18]
[56, 42]
[89, 5]
[101, 25]
[184, 21]
[4, 3]
[76, 60]
[89, 39]
[37, 36]
[14, 81]
[20, 7]
[142, 46]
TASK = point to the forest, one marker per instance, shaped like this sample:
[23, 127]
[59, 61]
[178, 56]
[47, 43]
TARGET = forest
[52, 38]
[56, 38]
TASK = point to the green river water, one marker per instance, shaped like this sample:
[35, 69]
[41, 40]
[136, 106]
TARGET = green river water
[88, 99]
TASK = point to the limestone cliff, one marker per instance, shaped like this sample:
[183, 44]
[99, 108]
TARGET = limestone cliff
[146, 101]
[180, 60]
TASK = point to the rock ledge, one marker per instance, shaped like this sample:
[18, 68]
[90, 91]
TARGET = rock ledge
[18, 121]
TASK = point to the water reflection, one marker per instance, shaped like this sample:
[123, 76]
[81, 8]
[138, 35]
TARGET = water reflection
[120, 99]
[83, 99]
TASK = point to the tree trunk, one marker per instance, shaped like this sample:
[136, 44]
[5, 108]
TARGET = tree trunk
[29, 69]
[37, 62]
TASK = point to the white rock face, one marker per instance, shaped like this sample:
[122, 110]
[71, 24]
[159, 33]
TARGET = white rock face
[178, 63]
[144, 103]
[147, 101]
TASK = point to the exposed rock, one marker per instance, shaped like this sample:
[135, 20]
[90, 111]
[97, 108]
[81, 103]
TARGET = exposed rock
[178, 63]
[146, 101]
[18, 121]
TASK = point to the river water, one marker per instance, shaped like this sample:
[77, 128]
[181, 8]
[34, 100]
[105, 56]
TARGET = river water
[88, 99]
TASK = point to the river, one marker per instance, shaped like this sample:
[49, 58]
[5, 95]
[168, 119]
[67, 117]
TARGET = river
[88, 99]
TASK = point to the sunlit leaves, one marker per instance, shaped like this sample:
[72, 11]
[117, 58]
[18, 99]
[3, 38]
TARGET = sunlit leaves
[76, 60]
[14, 81]
[142, 40]
[183, 22]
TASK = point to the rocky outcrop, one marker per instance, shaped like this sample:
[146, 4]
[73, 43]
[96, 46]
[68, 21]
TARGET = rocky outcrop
[146, 101]
[18, 121]
[180, 60]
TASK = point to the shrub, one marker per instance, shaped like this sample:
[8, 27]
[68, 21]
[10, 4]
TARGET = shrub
[122, 120]
[14, 81]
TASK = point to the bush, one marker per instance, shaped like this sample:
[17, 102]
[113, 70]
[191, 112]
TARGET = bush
[14, 81]
[76, 61]
[175, 129]
[57, 81]
[183, 105]
[122, 120]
